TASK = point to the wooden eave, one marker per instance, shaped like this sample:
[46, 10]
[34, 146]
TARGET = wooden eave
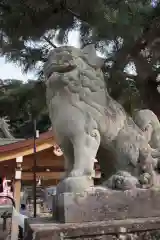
[25, 147]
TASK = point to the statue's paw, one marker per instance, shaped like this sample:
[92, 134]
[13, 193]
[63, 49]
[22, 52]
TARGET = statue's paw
[145, 180]
[76, 173]
[119, 182]
[79, 173]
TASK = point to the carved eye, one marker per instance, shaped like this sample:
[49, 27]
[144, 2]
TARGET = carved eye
[146, 129]
[94, 134]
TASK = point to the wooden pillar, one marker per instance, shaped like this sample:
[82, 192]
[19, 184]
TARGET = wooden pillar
[17, 195]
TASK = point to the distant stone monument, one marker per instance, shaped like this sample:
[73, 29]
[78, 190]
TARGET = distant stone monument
[5, 135]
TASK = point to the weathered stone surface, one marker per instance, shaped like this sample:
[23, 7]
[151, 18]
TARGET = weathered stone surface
[103, 205]
[85, 117]
[130, 229]
[150, 125]
[69, 184]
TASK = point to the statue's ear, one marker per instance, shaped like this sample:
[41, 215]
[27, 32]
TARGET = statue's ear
[90, 54]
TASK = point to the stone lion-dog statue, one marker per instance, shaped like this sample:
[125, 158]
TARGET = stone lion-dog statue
[84, 117]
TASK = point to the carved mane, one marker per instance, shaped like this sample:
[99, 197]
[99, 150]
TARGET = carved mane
[83, 81]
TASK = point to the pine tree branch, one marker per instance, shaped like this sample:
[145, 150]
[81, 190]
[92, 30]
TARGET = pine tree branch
[141, 43]
[74, 14]
[5, 7]
[49, 42]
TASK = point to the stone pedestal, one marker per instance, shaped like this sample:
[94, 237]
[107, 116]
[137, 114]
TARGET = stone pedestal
[129, 229]
[99, 204]
[74, 184]
[100, 214]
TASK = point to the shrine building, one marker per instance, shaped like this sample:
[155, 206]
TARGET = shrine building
[49, 158]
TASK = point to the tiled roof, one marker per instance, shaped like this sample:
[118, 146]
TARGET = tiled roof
[6, 141]
[19, 143]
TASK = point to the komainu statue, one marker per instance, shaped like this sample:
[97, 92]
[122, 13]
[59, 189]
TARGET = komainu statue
[85, 117]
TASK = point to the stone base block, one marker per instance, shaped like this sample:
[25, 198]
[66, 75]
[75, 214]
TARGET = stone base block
[129, 229]
[100, 204]
[74, 184]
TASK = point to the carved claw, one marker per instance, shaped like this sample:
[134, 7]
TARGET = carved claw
[145, 180]
[122, 181]
[76, 173]
[80, 173]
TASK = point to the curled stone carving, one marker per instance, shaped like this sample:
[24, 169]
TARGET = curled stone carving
[147, 235]
[84, 116]
[148, 122]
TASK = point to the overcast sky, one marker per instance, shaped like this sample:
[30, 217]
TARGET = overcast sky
[9, 70]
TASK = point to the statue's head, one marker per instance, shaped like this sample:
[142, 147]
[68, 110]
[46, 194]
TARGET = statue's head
[66, 58]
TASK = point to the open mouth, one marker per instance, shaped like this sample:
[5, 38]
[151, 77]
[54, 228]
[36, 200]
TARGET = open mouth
[59, 69]
[65, 69]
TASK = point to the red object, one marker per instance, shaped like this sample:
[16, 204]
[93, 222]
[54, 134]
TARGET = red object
[6, 192]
